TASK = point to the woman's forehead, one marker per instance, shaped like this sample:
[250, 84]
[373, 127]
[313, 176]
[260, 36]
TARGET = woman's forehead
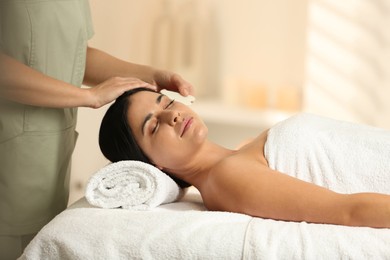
[148, 95]
[143, 99]
[141, 104]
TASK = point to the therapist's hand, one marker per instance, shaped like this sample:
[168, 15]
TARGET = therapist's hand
[112, 88]
[173, 82]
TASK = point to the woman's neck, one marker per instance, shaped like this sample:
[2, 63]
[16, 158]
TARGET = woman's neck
[198, 167]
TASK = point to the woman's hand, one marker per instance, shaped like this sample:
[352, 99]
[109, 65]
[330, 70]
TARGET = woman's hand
[173, 82]
[112, 88]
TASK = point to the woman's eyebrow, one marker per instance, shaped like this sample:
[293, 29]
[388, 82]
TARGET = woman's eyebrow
[149, 116]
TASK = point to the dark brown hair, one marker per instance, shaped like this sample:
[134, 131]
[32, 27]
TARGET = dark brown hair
[117, 141]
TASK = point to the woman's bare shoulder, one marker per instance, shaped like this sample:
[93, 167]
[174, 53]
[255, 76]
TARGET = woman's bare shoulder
[226, 178]
[233, 166]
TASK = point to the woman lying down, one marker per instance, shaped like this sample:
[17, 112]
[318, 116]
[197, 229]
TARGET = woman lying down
[306, 168]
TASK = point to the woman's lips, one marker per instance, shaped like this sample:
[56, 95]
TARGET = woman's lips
[186, 124]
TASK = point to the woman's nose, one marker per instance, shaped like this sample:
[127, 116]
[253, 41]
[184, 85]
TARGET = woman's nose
[170, 117]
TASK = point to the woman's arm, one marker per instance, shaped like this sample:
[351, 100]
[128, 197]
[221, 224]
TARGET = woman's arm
[256, 190]
[102, 66]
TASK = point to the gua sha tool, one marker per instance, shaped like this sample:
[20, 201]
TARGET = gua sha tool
[188, 100]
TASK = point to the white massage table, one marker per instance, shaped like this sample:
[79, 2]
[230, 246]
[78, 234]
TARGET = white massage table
[185, 230]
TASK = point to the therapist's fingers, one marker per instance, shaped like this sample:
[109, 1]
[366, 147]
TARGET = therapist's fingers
[182, 86]
[173, 82]
[112, 88]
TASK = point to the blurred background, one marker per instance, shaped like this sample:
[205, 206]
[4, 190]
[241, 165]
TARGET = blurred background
[252, 62]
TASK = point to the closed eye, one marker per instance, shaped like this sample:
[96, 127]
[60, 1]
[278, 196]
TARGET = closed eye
[170, 104]
[155, 127]
[157, 122]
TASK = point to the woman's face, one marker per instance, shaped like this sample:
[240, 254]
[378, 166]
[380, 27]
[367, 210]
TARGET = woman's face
[168, 132]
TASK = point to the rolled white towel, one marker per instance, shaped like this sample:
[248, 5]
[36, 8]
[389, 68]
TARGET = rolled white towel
[131, 185]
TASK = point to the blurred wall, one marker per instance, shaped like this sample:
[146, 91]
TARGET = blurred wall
[348, 60]
[215, 44]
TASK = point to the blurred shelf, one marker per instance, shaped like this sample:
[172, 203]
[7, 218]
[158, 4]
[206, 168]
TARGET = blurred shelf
[216, 111]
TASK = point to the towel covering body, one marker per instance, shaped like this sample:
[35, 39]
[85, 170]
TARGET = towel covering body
[341, 156]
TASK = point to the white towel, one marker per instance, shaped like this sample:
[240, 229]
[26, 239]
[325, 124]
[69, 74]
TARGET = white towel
[131, 185]
[341, 156]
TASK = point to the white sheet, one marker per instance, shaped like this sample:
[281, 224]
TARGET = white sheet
[184, 230]
[174, 231]
[269, 239]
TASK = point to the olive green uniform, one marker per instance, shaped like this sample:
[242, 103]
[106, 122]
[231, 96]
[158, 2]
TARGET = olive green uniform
[36, 143]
